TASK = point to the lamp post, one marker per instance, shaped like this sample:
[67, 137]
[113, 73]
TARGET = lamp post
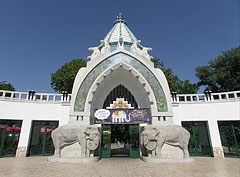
[208, 95]
[31, 94]
[174, 96]
[65, 95]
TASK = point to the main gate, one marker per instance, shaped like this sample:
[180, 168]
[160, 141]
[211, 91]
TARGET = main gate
[134, 141]
[107, 141]
[230, 137]
[129, 120]
[199, 143]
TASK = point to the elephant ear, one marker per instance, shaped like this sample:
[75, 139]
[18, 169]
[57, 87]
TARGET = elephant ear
[86, 131]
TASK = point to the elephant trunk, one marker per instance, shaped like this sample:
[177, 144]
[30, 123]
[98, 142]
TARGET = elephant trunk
[150, 145]
[92, 144]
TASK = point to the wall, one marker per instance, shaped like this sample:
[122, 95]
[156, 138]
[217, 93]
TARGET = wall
[196, 107]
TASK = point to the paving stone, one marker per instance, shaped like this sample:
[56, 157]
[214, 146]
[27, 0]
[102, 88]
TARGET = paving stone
[114, 167]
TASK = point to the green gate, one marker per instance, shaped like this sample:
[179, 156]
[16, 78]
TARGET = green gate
[134, 141]
[41, 141]
[106, 141]
[199, 143]
[230, 137]
[9, 137]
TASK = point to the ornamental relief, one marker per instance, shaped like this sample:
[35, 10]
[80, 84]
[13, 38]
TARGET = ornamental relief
[111, 61]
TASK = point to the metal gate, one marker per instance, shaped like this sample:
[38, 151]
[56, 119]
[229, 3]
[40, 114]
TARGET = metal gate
[230, 137]
[9, 137]
[106, 141]
[199, 143]
[134, 141]
[41, 141]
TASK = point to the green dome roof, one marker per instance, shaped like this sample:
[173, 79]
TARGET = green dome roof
[120, 30]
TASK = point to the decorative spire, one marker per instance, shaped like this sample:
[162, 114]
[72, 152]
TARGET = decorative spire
[120, 17]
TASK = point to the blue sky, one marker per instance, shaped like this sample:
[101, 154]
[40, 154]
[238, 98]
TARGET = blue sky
[38, 37]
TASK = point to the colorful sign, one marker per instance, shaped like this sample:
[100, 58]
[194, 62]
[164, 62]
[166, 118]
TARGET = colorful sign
[122, 116]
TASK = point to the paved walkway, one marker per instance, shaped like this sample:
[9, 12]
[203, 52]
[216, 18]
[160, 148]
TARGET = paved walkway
[40, 167]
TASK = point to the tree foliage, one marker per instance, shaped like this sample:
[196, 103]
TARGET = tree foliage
[175, 84]
[63, 78]
[222, 73]
[6, 86]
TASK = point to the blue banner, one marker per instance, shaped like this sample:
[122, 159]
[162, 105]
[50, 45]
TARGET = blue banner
[122, 116]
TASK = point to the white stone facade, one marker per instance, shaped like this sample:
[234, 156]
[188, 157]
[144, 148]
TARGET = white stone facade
[210, 111]
[120, 59]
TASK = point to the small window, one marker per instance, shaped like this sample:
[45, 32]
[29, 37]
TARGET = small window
[127, 46]
[1, 93]
[16, 95]
[216, 97]
[44, 97]
[181, 98]
[224, 96]
[113, 46]
[50, 97]
[238, 94]
[189, 98]
[231, 95]
[38, 97]
[194, 98]
[58, 98]
[23, 96]
[7, 94]
[201, 98]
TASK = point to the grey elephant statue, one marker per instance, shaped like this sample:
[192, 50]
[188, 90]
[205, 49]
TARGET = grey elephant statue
[87, 136]
[153, 139]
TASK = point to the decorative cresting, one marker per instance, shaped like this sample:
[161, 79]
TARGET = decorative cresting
[120, 58]
[120, 37]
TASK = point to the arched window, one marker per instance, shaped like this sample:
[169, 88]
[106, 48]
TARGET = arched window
[120, 92]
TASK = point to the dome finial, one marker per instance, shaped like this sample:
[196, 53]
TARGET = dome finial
[120, 17]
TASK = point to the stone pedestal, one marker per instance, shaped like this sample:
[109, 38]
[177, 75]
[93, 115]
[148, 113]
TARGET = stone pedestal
[72, 154]
[73, 159]
[169, 154]
[166, 160]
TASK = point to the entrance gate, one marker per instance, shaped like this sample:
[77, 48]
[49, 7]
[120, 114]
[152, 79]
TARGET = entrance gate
[230, 137]
[9, 137]
[133, 131]
[41, 141]
[134, 141]
[199, 143]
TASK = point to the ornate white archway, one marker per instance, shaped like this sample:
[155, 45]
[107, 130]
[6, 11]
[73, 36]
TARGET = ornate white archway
[148, 84]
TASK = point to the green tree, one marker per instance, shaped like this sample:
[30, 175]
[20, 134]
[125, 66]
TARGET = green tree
[175, 84]
[63, 78]
[221, 74]
[6, 86]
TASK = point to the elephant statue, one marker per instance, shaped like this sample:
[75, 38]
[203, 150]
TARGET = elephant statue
[87, 136]
[153, 138]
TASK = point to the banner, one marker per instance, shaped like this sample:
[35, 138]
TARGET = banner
[122, 116]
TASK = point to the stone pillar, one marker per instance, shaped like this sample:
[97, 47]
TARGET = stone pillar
[215, 139]
[24, 139]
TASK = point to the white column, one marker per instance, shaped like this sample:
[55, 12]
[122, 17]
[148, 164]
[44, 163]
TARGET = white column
[215, 139]
[24, 138]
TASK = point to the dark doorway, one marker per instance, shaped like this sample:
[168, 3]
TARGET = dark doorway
[41, 142]
[9, 137]
[199, 143]
[230, 137]
[120, 140]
